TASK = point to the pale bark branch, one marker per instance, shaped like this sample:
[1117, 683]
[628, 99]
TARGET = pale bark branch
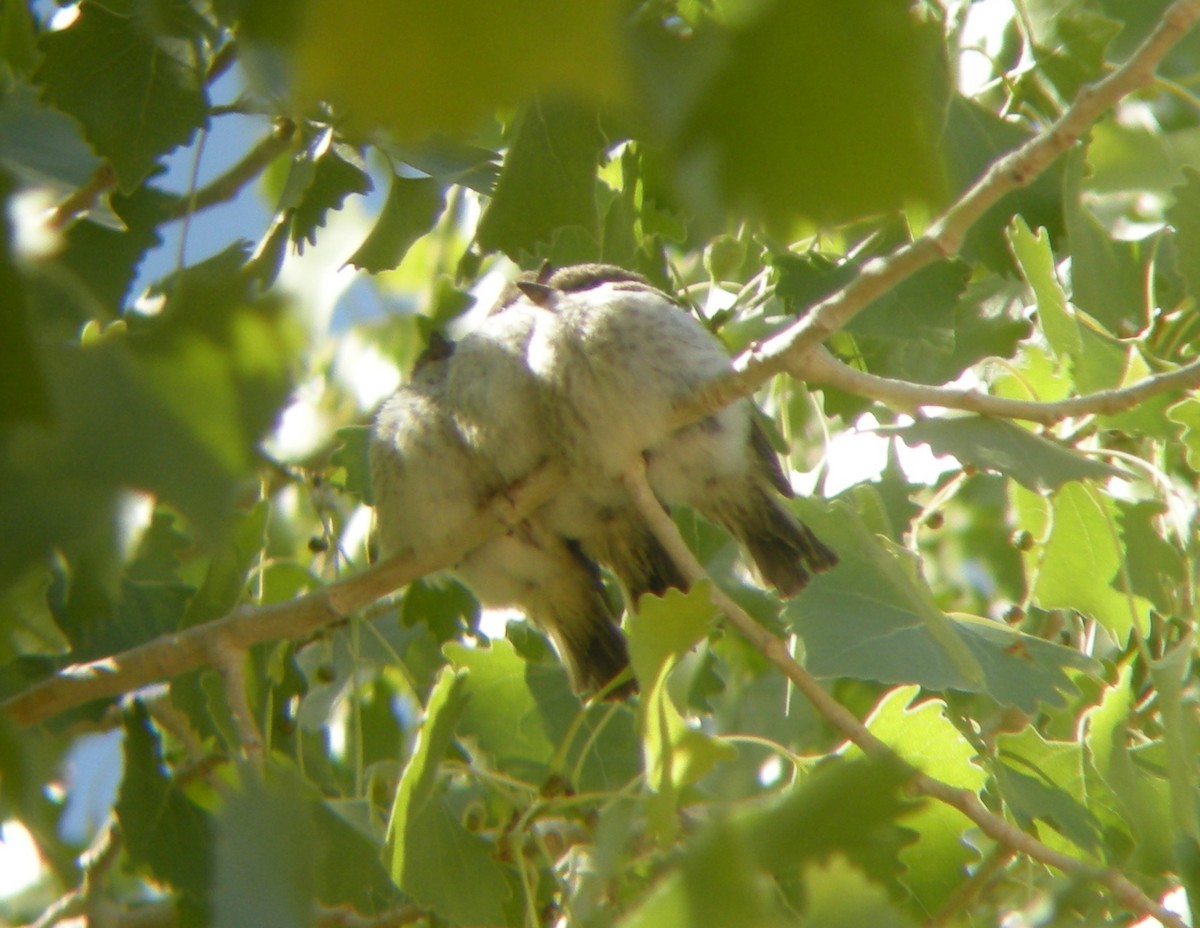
[820, 367]
[847, 724]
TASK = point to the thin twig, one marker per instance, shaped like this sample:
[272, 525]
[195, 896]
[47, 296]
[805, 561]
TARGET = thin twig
[84, 199]
[819, 366]
[227, 186]
[232, 664]
[848, 725]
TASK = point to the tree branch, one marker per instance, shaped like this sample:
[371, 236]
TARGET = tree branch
[776, 651]
[777, 354]
[201, 645]
[227, 186]
[819, 366]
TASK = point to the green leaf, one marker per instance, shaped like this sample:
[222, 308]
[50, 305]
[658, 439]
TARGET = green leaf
[135, 81]
[996, 444]
[458, 64]
[106, 259]
[973, 138]
[920, 733]
[1184, 217]
[1186, 413]
[663, 629]
[348, 870]
[1106, 275]
[433, 858]
[17, 37]
[847, 806]
[337, 173]
[518, 712]
[547, 182]
[164, 832]
[264, 867]
[1045, 781]
[876, 585]
[871, 618]
[1084, 543]
[225, 580]
[840, 896]
[448, 608]
[26, 622]
[23, 394]
[1036, 260]
[1144, 799]
[353, 455]
[40, 145]
[413, 206]
[735, 104]
[1156, 570]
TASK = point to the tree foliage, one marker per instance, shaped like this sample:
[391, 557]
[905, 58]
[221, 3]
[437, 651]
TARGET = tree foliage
[982, 243]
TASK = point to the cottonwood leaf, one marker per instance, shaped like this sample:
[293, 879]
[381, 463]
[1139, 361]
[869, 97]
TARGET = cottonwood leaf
[997, 445]
[919, 732]
[1107, 279]
[1046, 781]
[1084, 542]
[163, 830]
[973, 138]
[840, 895]
[871, 618]
[135, 80]
[412, 207]
[548, 181]
[460, 60]
[1184, 217]
[518, 712]
[732, 104]
[433, 857]
[264, 866]
[676, 754]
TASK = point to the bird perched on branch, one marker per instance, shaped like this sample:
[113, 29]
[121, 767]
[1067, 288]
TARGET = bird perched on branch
[619, 357]
[435, 463]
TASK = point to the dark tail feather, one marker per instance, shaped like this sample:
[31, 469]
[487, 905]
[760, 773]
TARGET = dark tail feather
[576, 613]
[595, 654]
[784, 549]
[631, 551]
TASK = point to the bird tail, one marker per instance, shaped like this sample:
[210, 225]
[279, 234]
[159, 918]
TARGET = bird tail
[574, 610]
[784, 549]
[628, 547]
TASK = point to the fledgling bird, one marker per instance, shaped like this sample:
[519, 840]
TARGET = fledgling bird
[621, 356]
[429, 478]
[600, 516]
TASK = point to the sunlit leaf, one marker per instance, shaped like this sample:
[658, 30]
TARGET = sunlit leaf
[135, 80]
[998, 445]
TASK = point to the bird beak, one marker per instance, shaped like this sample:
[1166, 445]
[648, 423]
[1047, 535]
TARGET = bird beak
[539, 294]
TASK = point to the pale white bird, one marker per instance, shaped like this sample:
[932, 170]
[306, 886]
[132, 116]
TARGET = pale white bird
[429, 478]
[618, 359]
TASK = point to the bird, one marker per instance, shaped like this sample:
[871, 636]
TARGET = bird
[619, 357]
[601, 516]
[434, 467]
